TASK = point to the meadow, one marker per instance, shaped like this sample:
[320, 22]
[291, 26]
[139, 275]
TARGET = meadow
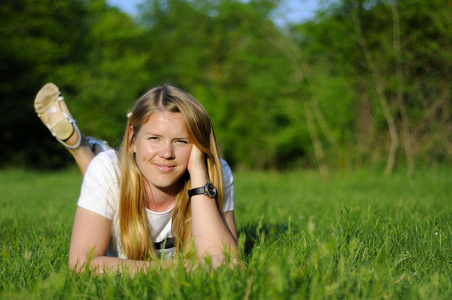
[354, 235]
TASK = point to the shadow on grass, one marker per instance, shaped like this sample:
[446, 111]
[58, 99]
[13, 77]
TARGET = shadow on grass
[257, 233]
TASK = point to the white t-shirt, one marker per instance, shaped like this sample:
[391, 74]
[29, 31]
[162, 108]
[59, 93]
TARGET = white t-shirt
[100, 194]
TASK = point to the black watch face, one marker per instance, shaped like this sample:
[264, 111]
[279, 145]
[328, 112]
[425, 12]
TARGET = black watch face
[211, 190]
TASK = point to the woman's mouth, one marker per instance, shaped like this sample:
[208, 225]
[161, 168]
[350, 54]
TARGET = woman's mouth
[164, 168]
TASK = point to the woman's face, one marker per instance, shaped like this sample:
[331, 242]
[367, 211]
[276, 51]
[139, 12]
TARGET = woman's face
[162, 149]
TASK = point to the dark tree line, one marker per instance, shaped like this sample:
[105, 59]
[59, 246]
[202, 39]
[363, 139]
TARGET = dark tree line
[363, 83]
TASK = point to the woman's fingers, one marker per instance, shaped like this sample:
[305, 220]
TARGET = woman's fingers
[196, 163]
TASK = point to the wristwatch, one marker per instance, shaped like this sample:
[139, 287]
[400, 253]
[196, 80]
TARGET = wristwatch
[208, 189]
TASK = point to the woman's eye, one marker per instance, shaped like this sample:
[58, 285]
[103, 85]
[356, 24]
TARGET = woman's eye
[181, 142]
[153, 138]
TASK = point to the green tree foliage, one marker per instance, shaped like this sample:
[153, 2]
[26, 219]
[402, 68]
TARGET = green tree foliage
[362, 82]
[113, 74]
[393, 51]
[39, 41]
[223, 55]
[94, 53]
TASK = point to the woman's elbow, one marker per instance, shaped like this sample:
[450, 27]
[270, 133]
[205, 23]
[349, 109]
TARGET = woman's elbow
[76, 263]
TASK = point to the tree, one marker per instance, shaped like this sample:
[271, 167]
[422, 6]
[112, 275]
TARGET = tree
[380, 48]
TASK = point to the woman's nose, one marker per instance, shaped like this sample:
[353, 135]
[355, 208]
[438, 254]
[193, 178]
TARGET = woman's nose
[167, 151]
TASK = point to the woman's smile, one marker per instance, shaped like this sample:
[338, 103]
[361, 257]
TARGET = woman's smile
[164, 167]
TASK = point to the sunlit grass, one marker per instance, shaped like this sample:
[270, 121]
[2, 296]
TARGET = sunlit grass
[359, 235]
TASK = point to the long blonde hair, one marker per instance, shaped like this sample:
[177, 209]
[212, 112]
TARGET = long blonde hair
[135, 231]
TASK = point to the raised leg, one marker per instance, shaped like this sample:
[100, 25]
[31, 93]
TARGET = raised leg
[54, 113]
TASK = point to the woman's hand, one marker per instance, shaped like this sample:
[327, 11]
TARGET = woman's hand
[197, 167]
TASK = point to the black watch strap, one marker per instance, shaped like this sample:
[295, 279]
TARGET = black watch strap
[208, 189]
[196, 191]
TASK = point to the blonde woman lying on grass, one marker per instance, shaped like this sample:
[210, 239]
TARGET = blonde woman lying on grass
[165, 191]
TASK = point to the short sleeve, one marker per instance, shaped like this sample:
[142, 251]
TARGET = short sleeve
[100, 188]
[229, 190]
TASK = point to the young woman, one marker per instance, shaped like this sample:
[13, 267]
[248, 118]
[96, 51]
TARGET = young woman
[165, 191]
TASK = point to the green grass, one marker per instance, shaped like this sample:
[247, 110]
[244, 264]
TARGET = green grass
[356, 235]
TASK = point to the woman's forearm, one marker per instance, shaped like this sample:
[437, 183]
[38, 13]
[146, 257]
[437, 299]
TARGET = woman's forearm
[209, 230]
[210, 234]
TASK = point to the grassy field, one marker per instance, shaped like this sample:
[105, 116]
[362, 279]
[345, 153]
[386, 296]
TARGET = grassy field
[351, 236]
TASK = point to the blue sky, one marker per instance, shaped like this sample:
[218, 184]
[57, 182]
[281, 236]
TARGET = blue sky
[292, 10]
